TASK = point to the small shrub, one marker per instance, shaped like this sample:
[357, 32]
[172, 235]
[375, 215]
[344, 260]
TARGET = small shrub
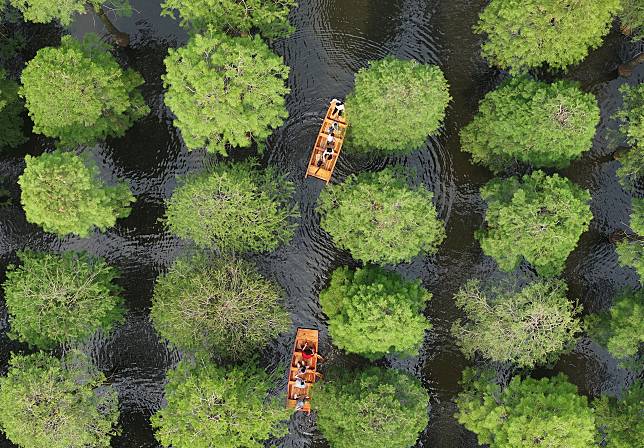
[620, 420]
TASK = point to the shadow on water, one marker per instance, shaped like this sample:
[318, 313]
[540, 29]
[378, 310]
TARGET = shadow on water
[334, 39]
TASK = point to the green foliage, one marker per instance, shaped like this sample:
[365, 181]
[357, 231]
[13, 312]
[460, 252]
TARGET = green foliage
[222, 307]
[48, 403]
[532, 122]
[632, 18]
[524, 34]
[621, 328]
[374, 312]
[11, 123]
[79, 94]
[54, 299]
[210, 406]
[621, 420]
[45, 11]
[631, 120]
[378, 218]
[225, 91]
[373, 407]
[527, 413]
[235, 17]
[539, 218]
[63, 194]
[395, 105]
[233, 207]
[631, 249]
[527, 327]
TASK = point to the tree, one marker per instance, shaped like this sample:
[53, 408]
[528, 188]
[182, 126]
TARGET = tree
[45, 402]
[631, 249]
[233, 207]
[530, 326]
[632, 18]
[222, 307]
[621, 328]
[538, 218]
[234, 17]
[11, 123]
[54, 299]
[395, 105]
[56, 78]
[525, 34]
[526, 413]
[631, 119]
[621, 420]
[532, 122]
[63, 194]
[211, 406]
[374, 312]
[378, 218]
[372, 407]
[225, 92]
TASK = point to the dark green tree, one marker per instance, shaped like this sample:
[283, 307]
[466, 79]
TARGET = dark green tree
[631, 18]
[538, 218]
[373, 407]
[524, 34]
[631, 119]
[225, 92]
[234, 17]
[527, 413]
[11, 107]
[374, 312]
[55, 80]
[631, 249]
[379, 218]
[395, 105]
[55, 299]
[45, 402]
[620, 420]
[221, 307]
[63, 194]
[531, 122]
[233, 207]
[530, 326]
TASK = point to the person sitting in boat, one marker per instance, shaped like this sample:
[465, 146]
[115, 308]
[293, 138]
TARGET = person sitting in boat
[333, 128]
[300, 382]
[308, 353]
[302, 369]
[300, 401]
[338, 108]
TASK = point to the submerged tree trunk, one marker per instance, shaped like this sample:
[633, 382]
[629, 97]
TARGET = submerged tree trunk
[121, 39]
[626, 69]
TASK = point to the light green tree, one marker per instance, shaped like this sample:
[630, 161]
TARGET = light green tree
[538, 218]
[11, 123]
[63, 194]
[210, 406]
[631, 249]
[395, 105]
[620, 420]
[631, 120]
[225, 92]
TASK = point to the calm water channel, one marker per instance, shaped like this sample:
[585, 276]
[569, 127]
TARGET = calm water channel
[334, 39]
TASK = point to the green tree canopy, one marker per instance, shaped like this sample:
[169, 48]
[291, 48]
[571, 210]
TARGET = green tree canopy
[621, 421]
[632, 18]
[11, 123]
[631, 249]
[374, 312]
[63, 194]
[45, 11]
[210, 406]
[527, 413]
[524, 34]
[225, 91]
[45, 402]
[395, 105]
[631, 119]
[222, 307]
[233, 207]
[54, 299]
[531, 326]
[621, 328]
[379, 218]
[235, 17]
[56, 78]
[538, 218]
[532, 122]
[373, 407]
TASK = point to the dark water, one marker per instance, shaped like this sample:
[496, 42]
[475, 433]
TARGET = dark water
[334, 39]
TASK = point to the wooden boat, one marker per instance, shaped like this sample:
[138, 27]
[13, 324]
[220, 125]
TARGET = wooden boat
[310, 336]
[317, 167]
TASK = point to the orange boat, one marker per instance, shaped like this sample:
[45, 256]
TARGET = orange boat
[309, 337]
[318, 166]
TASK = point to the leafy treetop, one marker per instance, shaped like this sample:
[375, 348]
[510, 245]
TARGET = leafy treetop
[63, 193]
[225, 91]
[395, 105]
[538, 218]
[524, 34]
[373, 407]
[631, 249]
[532, 122]
[632, 18]
[631, 119]
[379, 218]
[374, 312]
[621, 421]
[45, 11]
[11, 123]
